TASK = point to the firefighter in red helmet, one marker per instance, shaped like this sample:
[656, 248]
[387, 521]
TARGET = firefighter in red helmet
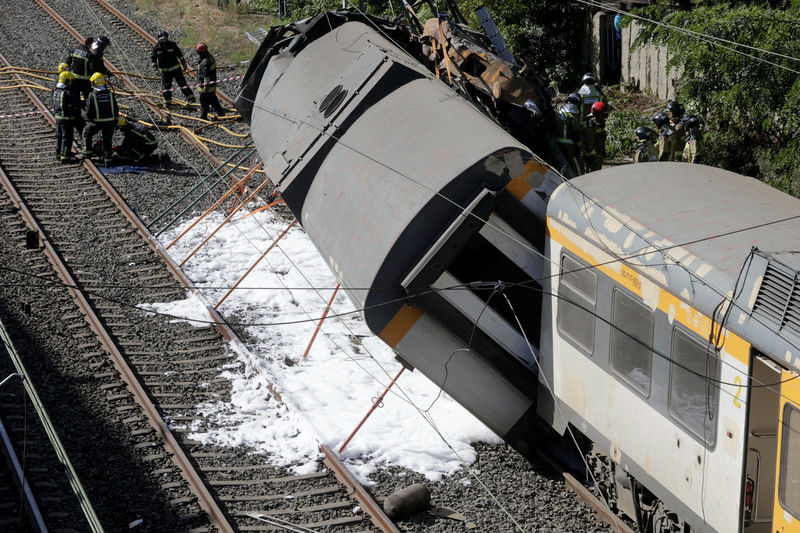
[594, 136]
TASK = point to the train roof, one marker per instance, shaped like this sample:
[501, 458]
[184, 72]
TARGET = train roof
[688, 223]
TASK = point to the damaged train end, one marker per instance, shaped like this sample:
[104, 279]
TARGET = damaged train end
[410, 194]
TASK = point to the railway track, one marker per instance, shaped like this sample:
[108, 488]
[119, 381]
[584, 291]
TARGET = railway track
[149, 374]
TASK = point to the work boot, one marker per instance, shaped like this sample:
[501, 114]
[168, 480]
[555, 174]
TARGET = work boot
[190, 98]
[167, 102]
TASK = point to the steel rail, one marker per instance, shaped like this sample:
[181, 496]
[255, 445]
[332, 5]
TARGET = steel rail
[22, 481]
[597, 505]
[341, 472]
[345, 477]
[216, 516]
[146, 36]
[128, 83]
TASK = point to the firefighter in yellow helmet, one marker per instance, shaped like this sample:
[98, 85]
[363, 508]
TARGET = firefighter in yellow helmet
[67, 112]
[101, 115]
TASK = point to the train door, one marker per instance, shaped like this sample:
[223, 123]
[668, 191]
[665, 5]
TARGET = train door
[763, 407]
[786, 514]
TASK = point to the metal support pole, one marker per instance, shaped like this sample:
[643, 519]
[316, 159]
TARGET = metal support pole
[374, 406]
[321, 320]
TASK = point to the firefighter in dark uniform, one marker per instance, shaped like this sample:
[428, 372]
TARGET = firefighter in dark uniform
[168, 59]
[101, 115]
[96, 63]
[675, 112]
[78, 63]
[138, 142]
[67, 112]
[693, 149]
[207, 78]
[594, 137]
[568, 133]
[666, 136]
[645, 151]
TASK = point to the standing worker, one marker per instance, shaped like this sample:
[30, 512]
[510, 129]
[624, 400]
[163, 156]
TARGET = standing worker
[589, 93]
[666, 136]
[67, 112]
[693, 149]
[78, 63]
[101, 115]
[645, 150]
[207, 78]
[96, 63]
[675, 111]
[168, 59]
[568, 133]
[594, 137]
[138, 142]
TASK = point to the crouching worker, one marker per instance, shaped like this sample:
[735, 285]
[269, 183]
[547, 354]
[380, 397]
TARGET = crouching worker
[137, 144]
[101, 115]
[67, 112]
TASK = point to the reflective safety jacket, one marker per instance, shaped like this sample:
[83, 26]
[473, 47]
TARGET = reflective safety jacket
[139, 140]
[589, 95]
[167, 56]
[679, 140]
[78, 62]
[66, 104]
[96, 64]
[568, 136]
[207, 74]
[101, 106]
[645, 153]
[665, 143]
[693, 149]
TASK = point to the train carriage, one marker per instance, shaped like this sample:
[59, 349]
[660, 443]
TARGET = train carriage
[677, 355]
[650, 310]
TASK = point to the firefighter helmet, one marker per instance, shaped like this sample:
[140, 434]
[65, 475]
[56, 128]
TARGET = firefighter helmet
[201, 47]
[122, 122]
[676, 108]
[103, 41]
[589, 79]
[574, 98]
[65, 77]
[163, 35]
[643, 133]
[97, 79]
[62, 67]
[691, 122]
[599, 109]
[660, 118]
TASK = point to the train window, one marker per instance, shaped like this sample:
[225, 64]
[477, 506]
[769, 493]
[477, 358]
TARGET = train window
[577, 284]
[789, 481]
[693, 388]
[631, 341]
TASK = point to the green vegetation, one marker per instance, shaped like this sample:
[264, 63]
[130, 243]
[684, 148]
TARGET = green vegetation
[747, 96]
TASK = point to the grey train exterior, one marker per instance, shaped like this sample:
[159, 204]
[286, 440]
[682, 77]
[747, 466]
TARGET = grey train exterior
[392, 175]
[651, 310]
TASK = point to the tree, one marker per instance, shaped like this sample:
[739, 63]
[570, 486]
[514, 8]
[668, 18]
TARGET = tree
[747, 93]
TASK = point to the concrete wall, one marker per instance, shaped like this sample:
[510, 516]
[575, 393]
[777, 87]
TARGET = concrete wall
[646, 66]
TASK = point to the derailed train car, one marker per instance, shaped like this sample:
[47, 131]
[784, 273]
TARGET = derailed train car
[651, 310]
[393, 175]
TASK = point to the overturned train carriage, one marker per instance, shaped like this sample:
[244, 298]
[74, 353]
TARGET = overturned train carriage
[394, 178]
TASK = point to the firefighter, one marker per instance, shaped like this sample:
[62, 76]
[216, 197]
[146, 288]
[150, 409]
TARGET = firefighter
[594, 137]
[666, 136]
[138, 142]
[67, 112]
[693, 149]
[589, 93]
[101, 115]
[96, 63]
[568, 133]
[645, 150]
[675, 112]
[78, 63]
[168, 59]
[207, 78]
